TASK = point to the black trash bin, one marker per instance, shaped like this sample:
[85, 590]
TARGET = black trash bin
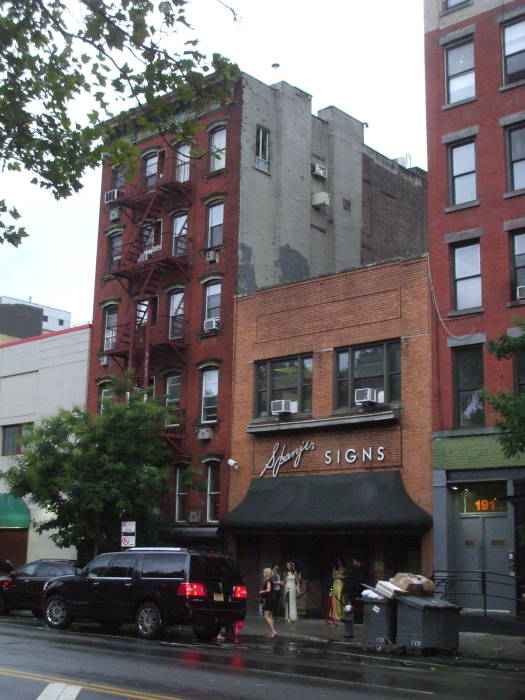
[426, 622]
[379, 622]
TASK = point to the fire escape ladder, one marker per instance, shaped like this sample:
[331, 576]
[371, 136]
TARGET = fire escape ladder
[150, 285]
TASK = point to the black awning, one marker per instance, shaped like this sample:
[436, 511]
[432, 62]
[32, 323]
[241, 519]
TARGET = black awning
[342, 502]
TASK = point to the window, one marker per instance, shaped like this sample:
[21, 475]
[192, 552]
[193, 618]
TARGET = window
[106, 396]
[520, 372]
[182, 163]
[150, 238]
[110, 326]
[163, 565]
[218, 149]
[213, 492]
[262, 149]
[98, 566]
[468, 364]
[114, 252]
[467, 276]
[210, 390]
[12, 436]
[375, 366]
[289, 378]
[516, 151]
[215, 224]
[463, 173]
[181, 494]
[518, 262]
[487, 498]
[452, 3]
[176, 320]
[45, 318]
[212, 304]
[179, 230]
[60, 321]
[461, 81]
[514, 52]
[118, 179]
[173, 384]
[121, 566]
[152, 168]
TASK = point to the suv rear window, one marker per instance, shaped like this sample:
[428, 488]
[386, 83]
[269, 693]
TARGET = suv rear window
[213, 566]
[163, 565]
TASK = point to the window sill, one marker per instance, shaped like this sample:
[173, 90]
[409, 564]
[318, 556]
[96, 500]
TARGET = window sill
[215, 173]
[466, 312]
[465, 205]
[514, 193]
[358, 417]
[448, 10]
[511, 86]
[459, 103]
[516, 302]
[262, 170]
[462, 432]
[212, 333]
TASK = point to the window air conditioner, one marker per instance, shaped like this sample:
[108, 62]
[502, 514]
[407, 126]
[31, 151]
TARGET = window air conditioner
[520, 292]
[114, 214]
[212, 324]
[320, 199]
[211, 256]
[104, 360]
[283, 406]
[111, 195]
[319, 170]
[365, 396]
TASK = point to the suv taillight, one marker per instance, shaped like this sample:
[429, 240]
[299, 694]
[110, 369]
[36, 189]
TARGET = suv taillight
[239, 592]
[192, 590]
[7, 582]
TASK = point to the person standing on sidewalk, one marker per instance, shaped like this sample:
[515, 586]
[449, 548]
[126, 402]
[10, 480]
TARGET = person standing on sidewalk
[278, 589]
[267, 593]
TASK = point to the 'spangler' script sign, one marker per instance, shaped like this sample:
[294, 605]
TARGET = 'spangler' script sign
[280, 456]
[276, 461]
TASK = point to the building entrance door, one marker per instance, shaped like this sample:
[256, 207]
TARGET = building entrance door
[481, 552]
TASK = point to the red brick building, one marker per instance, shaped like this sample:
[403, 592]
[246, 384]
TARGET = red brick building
[317, 475]
[475, 63]
[279, 195]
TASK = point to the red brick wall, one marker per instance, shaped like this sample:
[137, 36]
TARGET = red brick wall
[199, 348]
[320, 315]
[490, 105]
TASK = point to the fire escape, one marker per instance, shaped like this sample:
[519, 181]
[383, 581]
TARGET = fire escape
[147, 340]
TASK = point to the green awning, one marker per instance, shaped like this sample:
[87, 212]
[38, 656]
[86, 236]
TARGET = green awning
[13, 512]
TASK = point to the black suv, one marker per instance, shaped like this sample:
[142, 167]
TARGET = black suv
[22, 588]
[153, 586]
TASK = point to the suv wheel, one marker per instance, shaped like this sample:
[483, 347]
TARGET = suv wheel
[206, 633]
[148, 621]
[56, 614]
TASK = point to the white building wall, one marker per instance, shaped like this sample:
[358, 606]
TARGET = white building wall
[37, 378]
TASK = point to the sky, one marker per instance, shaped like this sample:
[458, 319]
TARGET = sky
[366, 58]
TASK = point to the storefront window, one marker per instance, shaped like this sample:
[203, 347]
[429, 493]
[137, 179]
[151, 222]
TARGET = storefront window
[481, 498]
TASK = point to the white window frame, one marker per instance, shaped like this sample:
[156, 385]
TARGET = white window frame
[110, 326]
[106, 393]
[216, 467]
[176, 314]
[209, 390]
[173, 403]
[179, 233]
[475, 246]
[459, 74]
[182, 162]
[218, 149]
[212, 311]
[179, 471]
[150, 168]
[456, 176]
[262, 148]
[215, 220]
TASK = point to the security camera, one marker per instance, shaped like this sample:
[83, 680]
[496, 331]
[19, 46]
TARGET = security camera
[233, 464]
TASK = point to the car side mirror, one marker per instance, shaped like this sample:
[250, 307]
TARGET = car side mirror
[78, 570]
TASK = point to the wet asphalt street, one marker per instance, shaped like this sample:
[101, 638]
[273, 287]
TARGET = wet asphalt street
[37, 663]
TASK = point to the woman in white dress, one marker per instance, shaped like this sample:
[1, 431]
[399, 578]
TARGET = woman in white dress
[291, 584]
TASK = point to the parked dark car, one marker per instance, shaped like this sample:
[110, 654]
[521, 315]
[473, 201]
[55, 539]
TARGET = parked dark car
[153, 587]
[22, 588]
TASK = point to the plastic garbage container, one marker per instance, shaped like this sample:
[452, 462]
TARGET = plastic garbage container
[348, 621]
[426, 622]
[379, 622]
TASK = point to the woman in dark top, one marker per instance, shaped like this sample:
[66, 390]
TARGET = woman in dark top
[267, 593]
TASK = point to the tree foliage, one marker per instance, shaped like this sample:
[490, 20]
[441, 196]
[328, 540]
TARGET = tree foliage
[90, 471]
[57, 56]
[511, 429]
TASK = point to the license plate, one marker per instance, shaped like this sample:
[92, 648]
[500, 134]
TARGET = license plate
[218, 596]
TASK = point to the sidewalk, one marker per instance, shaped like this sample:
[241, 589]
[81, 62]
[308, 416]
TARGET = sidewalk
[476, 649]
